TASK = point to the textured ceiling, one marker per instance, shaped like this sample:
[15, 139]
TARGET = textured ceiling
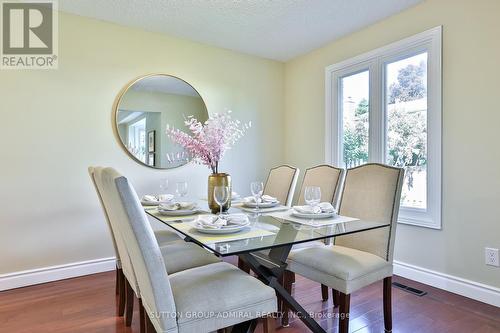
[279, 29]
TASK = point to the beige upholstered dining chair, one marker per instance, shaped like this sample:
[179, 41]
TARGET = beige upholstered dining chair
[329, 179]
[281, 183]
[371, 192]
[216, 293]
[181, 255]
[162, 236]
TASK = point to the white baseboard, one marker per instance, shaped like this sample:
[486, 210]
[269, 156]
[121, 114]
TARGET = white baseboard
[55, 273]
[478, 291]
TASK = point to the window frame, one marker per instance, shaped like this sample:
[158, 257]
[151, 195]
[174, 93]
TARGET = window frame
[429, 41]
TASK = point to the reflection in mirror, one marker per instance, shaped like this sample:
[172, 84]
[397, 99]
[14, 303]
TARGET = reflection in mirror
[145, 109]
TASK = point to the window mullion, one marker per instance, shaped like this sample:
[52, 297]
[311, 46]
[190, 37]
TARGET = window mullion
[377, 120]
[336, 121]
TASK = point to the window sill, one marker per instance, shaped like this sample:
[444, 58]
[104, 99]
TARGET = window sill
[424, 222]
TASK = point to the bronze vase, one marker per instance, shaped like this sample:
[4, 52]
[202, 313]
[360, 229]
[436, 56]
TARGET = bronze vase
[218, 179]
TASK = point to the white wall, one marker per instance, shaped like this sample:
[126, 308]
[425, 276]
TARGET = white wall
[55, 123]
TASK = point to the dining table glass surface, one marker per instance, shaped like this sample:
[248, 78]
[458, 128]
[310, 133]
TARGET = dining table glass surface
[264, 232]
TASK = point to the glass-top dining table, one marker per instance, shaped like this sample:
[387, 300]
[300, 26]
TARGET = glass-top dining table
[265, 244]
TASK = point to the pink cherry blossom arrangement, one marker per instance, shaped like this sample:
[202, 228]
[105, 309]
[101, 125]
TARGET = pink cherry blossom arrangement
[208, 141]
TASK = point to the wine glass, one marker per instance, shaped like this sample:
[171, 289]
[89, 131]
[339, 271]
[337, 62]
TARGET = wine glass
[163, 189]
[181, 189]
[312, 195]
[163, 185]
[221, 196]
[257, 188]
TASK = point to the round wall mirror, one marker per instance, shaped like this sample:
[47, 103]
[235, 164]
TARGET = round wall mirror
[144, 110]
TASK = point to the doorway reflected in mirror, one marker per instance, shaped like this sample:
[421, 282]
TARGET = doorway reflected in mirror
[143, 111]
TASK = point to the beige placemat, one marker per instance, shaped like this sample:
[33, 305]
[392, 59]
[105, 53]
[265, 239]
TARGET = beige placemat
[251, 232]
[314, 223]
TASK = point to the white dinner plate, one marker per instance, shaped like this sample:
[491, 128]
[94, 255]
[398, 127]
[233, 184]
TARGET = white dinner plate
[221, 231]
[179, 212]
[261, 205]
[313, 216]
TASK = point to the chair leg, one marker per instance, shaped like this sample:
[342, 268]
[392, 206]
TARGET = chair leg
[291, 279]
[335, 296]
[269, 324]
[344, 312]
[149, 325]
[142, 317]
[121, 293]
[117, 281]
[324, 293]
[129, 308]
[288, 279]
[243, 266]
[388, 304]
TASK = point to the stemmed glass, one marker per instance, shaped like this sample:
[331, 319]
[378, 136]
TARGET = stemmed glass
[312, 195]
[164, 185]
[181, 189]
[257, 188]
[163, 189]
[221, 196]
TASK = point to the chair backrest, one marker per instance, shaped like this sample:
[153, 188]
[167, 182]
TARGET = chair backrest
[108, 223]
[124, 206]
[113, 218]
[114, 225]
[328, 178]
[372, 192]
[281, 183]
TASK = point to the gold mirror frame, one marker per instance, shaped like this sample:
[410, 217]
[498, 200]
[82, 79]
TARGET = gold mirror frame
[115, 116]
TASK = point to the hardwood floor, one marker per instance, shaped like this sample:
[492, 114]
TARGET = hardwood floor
[87, 304]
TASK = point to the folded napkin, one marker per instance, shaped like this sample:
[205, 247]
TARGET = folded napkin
[211, 222]
[149, 198]
[235, 219]
[307, 209]
[265, 198]
[323, 207]
[159, 198]
[170, 206]
[222, 221]
[326, 207]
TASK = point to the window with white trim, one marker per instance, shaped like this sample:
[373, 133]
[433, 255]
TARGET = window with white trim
[385, 106]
